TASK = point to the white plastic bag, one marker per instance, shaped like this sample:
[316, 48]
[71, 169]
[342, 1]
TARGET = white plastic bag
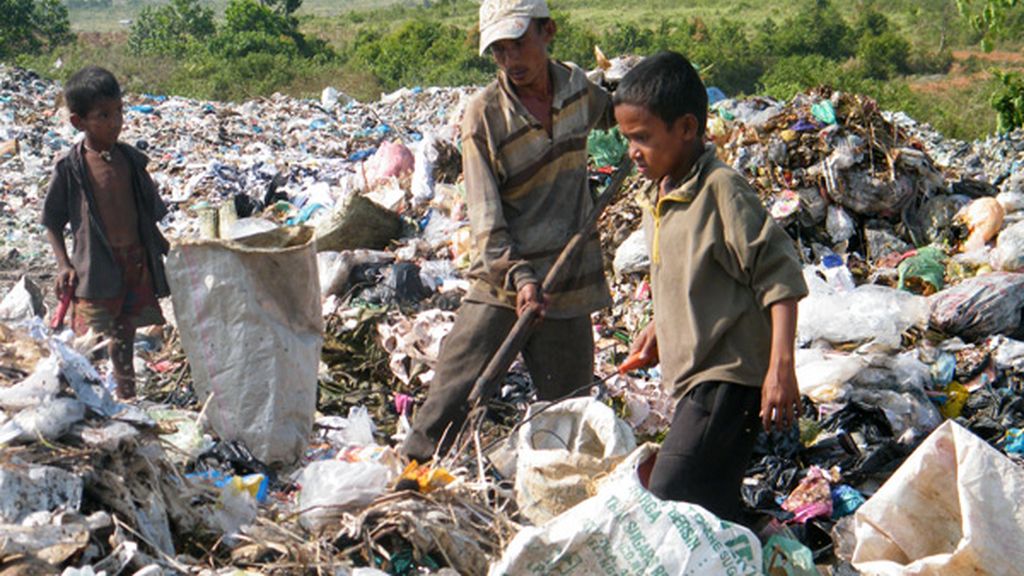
[625, 529]
[356, 430]
[823, 376]
[249, 316]
[42, 384]
[562, 451]
[866, 313]
[632, 255]
[47, 421]
[839, 224]
[425, 157]
[22, 303]
[1007, 353]
[954, 507]
[1008, 254]
[331, 487]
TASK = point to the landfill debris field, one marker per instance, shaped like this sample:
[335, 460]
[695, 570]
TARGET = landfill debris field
[320, 250]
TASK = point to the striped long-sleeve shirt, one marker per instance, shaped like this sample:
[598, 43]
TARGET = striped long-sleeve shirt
[527, 191]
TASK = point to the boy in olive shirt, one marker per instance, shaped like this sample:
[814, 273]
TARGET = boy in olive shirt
[726, 280]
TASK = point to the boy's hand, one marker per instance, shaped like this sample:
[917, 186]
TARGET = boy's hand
[67, 279]
[530, 296]
[645, 347]
[780, 398]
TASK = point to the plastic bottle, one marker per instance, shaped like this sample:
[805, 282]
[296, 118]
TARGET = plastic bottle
[837, 274]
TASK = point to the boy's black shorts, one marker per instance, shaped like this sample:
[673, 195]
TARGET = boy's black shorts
[708, 447]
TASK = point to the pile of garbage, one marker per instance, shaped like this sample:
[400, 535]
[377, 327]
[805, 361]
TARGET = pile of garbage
[319, 253]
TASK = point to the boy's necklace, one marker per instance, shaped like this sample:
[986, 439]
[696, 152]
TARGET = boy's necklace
[104, 154]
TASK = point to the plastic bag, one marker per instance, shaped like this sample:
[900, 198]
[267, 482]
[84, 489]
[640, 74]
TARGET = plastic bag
[356, 430]
[1007, 353]
[787, 557]
[839, 224]
[632, 255]
[246, 227]
[911, 410]
[1009, 251]
[984, 219]
[923, 273]
[823, 376]
[422, 185]
[562, 450]
[625, 529]
[22, 303]
[42, 384]
[48, 421]
[824, 112]
[1012, 201]
[250, 320]
[812, 497]
[392, 160]
[953, 507]
[979, 307]
[331, 487]
[836, 273]
[866, 313]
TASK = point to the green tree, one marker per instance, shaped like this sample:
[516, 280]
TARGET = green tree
[993, 19]
[818, 28]
[251, 26]
[28, 26]
[420, 52]
[884, 56]
[170, 29]
[1008, 101]
[284, 7]
[573, 42]
[990, 18]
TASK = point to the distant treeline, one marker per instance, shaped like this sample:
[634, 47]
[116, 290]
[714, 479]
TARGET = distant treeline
[259, 46]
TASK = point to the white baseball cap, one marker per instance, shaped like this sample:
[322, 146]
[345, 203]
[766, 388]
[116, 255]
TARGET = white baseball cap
[506, 19]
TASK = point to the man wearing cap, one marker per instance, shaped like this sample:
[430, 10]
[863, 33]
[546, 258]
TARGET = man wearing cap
[524, 156]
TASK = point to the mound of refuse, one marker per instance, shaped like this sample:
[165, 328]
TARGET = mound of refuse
[320, 249]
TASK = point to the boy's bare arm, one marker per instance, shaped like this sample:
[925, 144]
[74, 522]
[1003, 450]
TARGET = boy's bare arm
[67, 278]
[780, 396]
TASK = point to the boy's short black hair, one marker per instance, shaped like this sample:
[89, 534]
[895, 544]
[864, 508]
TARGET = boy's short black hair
[668, 86]
[87, 86]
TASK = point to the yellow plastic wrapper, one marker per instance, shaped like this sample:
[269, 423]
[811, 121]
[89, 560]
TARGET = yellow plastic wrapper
[427, 477]
[956, 397]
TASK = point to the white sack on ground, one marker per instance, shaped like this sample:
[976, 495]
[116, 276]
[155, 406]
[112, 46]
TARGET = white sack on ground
[249, 316]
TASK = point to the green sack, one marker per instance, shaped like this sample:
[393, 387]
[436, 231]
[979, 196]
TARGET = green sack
[928, 266]
[606, 147]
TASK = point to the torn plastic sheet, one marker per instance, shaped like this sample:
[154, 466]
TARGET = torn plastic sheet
[28, 489]
[85, 380]
[42, 384]
[47, 421]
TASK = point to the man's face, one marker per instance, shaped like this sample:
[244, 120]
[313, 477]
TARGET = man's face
[524, 59]
[657, 148]
[102, 124]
